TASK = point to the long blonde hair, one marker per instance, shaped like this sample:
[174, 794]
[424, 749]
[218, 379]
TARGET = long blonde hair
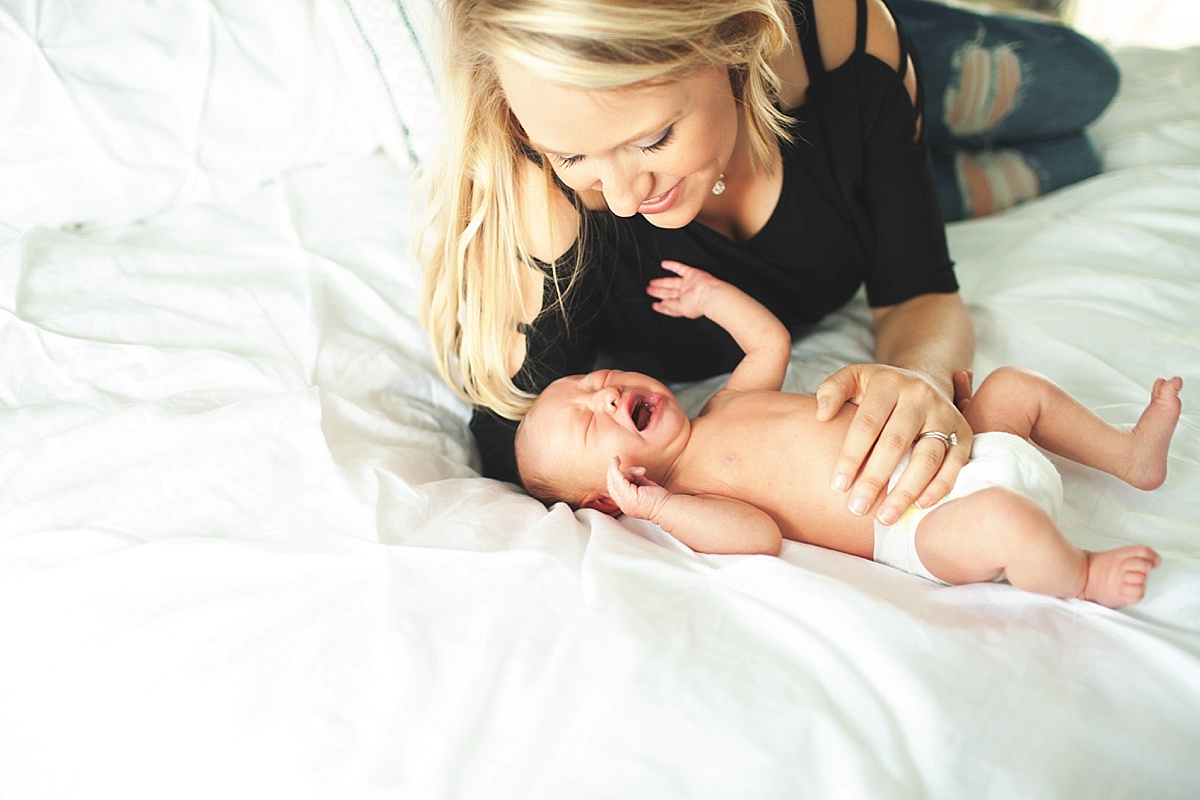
[471, 244]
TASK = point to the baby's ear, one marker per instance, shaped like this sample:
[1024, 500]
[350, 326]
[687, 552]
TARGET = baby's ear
[601, 503]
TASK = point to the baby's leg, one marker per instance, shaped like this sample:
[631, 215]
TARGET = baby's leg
[999, 531]
[1031, 405]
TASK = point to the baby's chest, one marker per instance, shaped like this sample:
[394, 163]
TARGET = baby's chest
[761, 453]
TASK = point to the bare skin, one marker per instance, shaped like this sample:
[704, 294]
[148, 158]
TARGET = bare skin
[657, 151]
[752, 468]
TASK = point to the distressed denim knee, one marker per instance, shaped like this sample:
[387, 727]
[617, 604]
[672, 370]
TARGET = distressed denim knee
[1007, 100]
[998, 80]
[977, 182]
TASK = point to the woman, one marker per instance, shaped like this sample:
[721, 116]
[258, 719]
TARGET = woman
[778, 146]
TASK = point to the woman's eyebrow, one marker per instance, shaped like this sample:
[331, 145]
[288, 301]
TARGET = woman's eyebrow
[648, 134]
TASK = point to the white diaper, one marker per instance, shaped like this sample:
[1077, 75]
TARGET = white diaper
[997, 459]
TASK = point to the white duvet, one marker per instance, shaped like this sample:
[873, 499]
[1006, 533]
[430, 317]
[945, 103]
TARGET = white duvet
[244, 552]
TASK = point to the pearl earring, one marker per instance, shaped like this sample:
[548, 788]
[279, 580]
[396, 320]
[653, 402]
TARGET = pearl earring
[719, 186]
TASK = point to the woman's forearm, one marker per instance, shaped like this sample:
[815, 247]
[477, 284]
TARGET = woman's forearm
[931, 334]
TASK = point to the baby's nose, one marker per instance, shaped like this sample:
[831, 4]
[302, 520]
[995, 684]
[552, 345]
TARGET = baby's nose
[606, 399]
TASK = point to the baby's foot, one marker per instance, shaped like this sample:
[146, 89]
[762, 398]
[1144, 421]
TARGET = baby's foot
[1117, 578]
[1147, 466]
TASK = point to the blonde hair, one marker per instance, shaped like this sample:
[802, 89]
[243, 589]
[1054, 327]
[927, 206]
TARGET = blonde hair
[471, 244]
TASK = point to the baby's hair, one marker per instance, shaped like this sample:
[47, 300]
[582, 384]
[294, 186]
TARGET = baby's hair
[547, 483]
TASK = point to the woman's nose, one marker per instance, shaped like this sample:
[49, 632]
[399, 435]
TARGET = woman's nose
[625, 188]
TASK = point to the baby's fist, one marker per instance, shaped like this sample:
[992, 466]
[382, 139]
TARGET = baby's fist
[634, 493]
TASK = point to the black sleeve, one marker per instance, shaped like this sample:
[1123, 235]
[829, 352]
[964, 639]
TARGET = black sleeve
[909, 255]
[557, 344]
[494, 437]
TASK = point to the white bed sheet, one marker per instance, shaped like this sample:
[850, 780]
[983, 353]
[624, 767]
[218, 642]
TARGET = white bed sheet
[244, 552]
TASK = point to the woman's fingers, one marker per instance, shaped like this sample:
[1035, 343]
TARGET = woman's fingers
[893, 442]
[928, 477]
[838, 389]
[894, 408]
[864, 438]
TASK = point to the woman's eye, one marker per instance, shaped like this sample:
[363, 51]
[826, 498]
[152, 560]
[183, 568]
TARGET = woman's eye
[662, 142]
[566, 161]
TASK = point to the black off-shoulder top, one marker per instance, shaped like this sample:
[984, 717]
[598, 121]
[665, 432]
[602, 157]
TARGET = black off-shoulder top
[858, 207]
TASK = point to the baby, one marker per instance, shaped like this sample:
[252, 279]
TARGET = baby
[753, 466]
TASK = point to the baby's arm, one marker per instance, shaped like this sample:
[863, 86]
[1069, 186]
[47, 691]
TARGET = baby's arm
[705, 523]
[764, 339]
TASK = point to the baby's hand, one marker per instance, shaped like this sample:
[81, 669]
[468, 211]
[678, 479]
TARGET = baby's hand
[684, 296]
[634, 493]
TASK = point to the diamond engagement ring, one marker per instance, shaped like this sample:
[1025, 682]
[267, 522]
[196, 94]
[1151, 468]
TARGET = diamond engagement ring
[947, 439]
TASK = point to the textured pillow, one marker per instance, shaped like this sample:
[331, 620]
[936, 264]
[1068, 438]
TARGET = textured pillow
[111, 110]
[394, 42]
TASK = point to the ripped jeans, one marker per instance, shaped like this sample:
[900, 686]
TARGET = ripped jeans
[1006, 103]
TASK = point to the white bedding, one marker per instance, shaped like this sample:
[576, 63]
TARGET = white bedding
[244, 552]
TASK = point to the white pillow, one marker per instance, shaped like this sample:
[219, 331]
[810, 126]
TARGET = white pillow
[111, 110]
[395, 44]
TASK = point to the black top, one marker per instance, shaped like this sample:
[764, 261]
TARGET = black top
[858, 206]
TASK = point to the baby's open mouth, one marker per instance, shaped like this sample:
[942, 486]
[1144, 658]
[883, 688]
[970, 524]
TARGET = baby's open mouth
[641, 414]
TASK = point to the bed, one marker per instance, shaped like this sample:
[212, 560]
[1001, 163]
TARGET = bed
[245, 551]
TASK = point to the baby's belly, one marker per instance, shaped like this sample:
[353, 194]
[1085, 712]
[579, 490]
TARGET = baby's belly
[823, 520]
[789, 475]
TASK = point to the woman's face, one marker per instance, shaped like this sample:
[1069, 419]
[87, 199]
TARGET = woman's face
[650, 150]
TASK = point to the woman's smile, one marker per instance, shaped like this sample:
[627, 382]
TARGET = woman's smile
[664, 202]
[628, 143]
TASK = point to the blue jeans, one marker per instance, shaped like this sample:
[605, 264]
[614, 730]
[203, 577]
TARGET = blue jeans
[1006, 103]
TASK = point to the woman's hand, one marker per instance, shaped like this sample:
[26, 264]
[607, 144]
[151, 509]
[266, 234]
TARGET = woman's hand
[895, 406]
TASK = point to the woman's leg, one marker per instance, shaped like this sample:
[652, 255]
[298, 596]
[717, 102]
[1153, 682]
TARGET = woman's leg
[1006, 102]
[975, 182]
[992, 79]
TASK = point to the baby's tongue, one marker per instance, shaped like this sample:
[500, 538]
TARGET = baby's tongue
[641, 415]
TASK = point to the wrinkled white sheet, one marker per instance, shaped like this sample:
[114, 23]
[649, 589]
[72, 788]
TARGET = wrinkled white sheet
[112, 110]
[244, 554]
